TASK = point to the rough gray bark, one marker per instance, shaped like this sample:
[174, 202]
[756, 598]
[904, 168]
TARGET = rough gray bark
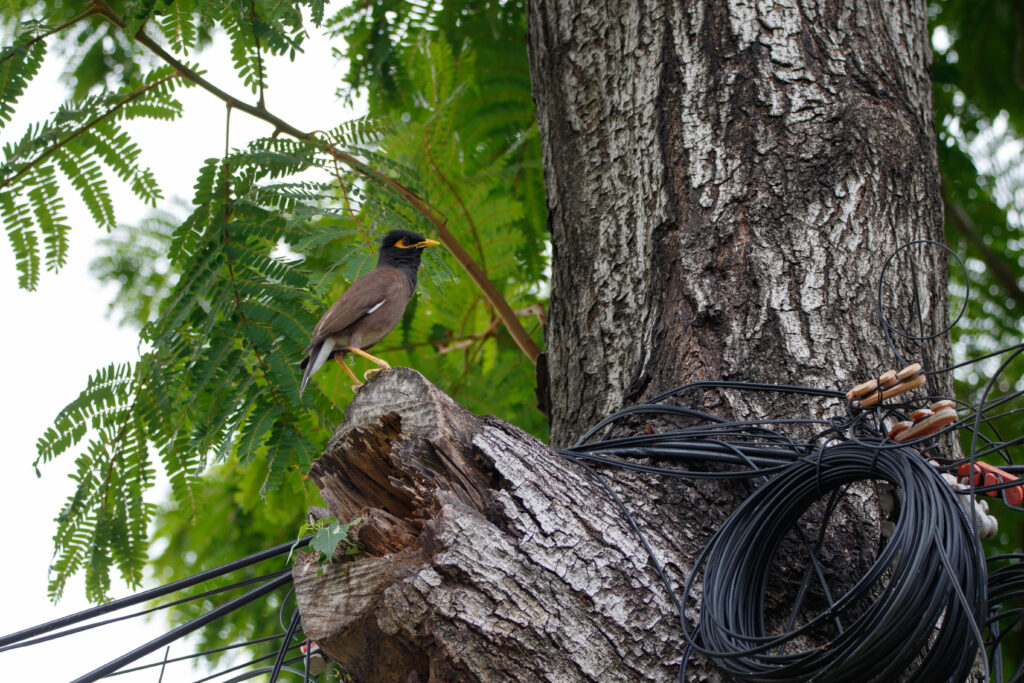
[484, 556]
[724, 182]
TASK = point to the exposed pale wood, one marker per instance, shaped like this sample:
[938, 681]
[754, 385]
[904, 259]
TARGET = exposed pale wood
[862, 389]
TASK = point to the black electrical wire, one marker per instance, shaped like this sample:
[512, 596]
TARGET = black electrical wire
[1006, 588]
[153, 593]
[184, 629]
[243, 665]
[918, 612]
[912, 599]
[196, 655]
[292, 628]
[248, 675]
[166, 605]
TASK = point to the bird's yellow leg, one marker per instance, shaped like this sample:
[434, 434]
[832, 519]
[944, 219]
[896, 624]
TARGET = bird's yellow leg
[341, 361]
[379, 361]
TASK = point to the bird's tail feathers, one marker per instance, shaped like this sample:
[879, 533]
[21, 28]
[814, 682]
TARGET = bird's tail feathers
[316, 360]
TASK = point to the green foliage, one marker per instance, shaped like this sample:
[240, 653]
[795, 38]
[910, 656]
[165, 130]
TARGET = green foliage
[474, 186]
[82, 141]
[979, 108]
[105, 522]
[236, 521]
[19, 64]
[225, 298]
[495, 120]
[135, 260]
[328, 534]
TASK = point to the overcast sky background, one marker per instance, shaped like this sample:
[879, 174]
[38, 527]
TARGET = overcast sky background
[55, 337]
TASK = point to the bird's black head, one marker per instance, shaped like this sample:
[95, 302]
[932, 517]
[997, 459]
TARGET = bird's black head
[402, 249]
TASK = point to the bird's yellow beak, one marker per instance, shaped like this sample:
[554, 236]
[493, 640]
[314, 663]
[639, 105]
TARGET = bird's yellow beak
[426, 243]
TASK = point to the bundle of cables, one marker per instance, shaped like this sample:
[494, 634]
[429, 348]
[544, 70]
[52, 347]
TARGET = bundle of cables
[916, 614]
[927, 601]
[926, 587]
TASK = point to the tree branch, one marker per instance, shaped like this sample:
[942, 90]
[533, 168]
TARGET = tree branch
[475, 272]
[449, 344]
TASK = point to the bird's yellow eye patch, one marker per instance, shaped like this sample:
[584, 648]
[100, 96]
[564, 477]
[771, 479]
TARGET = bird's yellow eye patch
[402, 245]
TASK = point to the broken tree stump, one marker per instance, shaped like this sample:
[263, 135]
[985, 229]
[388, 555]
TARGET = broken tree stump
[484, 555]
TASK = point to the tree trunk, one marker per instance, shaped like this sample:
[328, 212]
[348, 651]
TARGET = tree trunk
[725, 182]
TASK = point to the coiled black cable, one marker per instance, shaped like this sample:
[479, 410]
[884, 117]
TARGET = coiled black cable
[927, 586]
[918, 613]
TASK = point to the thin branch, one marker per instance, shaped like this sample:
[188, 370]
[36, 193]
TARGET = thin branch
[490, 292]
[997, 265]
[449, 344]
[227, 165]
[259, 61]
[231, 269]
[348, 203]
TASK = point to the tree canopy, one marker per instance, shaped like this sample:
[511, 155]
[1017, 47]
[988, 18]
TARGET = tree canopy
[281, 225]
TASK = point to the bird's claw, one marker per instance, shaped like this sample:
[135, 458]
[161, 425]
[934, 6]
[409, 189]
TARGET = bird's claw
[371, 372]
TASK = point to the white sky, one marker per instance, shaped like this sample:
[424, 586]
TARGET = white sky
[56, 337]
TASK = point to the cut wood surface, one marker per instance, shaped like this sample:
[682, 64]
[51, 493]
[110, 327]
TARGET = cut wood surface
[497, 560]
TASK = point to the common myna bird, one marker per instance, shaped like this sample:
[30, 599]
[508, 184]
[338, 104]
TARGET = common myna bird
[368, 310]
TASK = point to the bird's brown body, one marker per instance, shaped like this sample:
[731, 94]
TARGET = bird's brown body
[368, 310]
[374, 301]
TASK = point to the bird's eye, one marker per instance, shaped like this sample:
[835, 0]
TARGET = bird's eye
[401, 244]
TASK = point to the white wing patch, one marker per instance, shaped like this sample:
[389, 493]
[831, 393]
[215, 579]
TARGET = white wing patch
[375, 306]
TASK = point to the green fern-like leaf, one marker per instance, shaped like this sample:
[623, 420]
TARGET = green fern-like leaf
[82, 137]
[225, 334]
[180, 26]
[19, 64]
[104, 523]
